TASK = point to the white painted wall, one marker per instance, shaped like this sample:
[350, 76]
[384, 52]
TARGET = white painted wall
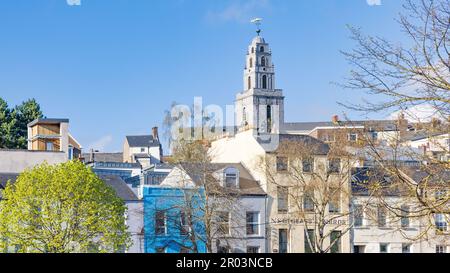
[135, 223]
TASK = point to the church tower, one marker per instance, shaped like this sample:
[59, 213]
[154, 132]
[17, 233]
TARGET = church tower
[260, 106]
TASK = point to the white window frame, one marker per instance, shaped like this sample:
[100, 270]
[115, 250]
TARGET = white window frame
[257, 223]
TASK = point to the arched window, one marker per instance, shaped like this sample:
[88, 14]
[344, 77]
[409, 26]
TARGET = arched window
[261, 49]
[263, 61]
[264, 82]
[253, 50]
[249, 83]
[244, 116]
[269, 119]
[231, 178]
[251, 62]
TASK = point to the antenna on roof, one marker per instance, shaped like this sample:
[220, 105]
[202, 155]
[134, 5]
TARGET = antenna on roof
[257, 22]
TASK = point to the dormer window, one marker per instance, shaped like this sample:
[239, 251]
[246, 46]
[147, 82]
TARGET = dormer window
[231, 178]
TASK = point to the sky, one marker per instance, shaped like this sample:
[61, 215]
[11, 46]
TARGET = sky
[114, 66]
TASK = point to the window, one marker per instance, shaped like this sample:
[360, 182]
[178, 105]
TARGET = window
[231, 178]
[440, 221]
[224, 223]
[223, 250]
[244, 116]
[384, 248]
[328, 138]
[249, 83]
[263, 61]
[353, 137]
[308, 165]
[308, 202]
[310, 240]
[261, 49]
[184, 250]
[253, 249]
[142, 150]
[334, 165]
[160, 250]
[441, 249]
[381, 217]
[269, 119]
[253, 50]
[70, 152]
[264, 82]
[49, 146]
[282, 164]
[405, 216]
[252, 223]
[334, 205]
[406, 248]
[282, 198]
[359, 249]
[358, 216]
[251, 62]
[184, 224]
[160, 223]
[283, 240]
[335, 240]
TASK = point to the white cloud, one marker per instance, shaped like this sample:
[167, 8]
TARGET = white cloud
[240, 11]
[101, 144]
[419, 113]
[73, 2]
[374, 2]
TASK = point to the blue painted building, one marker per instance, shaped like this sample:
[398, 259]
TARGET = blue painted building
[172, 224]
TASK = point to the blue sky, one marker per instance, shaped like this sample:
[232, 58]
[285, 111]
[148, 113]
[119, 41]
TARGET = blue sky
[114, 66]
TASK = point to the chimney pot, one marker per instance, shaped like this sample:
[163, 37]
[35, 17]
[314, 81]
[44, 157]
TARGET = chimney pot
[335, 119]
[155, 133]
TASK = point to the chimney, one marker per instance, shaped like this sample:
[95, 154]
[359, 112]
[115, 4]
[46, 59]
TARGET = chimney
[155, 133]
[335, 119]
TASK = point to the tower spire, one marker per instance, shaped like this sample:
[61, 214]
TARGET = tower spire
[257, 22]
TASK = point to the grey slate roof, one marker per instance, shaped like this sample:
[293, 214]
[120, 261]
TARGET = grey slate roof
[142, 141]
[318, 147]
[104, 157]
[385, 125]
[248, 186]
[120, 186]
[5, 177]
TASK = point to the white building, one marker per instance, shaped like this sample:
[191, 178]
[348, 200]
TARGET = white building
[377, 229]
[245, 219]
[145, 149]
[49, 141]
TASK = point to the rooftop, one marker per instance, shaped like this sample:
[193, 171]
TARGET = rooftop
[48, 121]
[142, 141]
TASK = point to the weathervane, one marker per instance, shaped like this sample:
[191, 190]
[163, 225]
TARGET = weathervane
[257, 22]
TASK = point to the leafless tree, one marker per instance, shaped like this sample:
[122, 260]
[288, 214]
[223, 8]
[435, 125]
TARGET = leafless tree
[401, 77]
[317, 179]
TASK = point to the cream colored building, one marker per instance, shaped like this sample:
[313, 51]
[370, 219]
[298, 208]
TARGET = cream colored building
[260, 120]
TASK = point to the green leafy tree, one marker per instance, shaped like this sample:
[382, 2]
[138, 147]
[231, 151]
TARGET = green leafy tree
[62, 208]
[20, 117]
[4, 123]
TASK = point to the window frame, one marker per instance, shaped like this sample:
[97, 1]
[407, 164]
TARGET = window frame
[253, 223]
[282, 166]
[285, 192]
[158, 228]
